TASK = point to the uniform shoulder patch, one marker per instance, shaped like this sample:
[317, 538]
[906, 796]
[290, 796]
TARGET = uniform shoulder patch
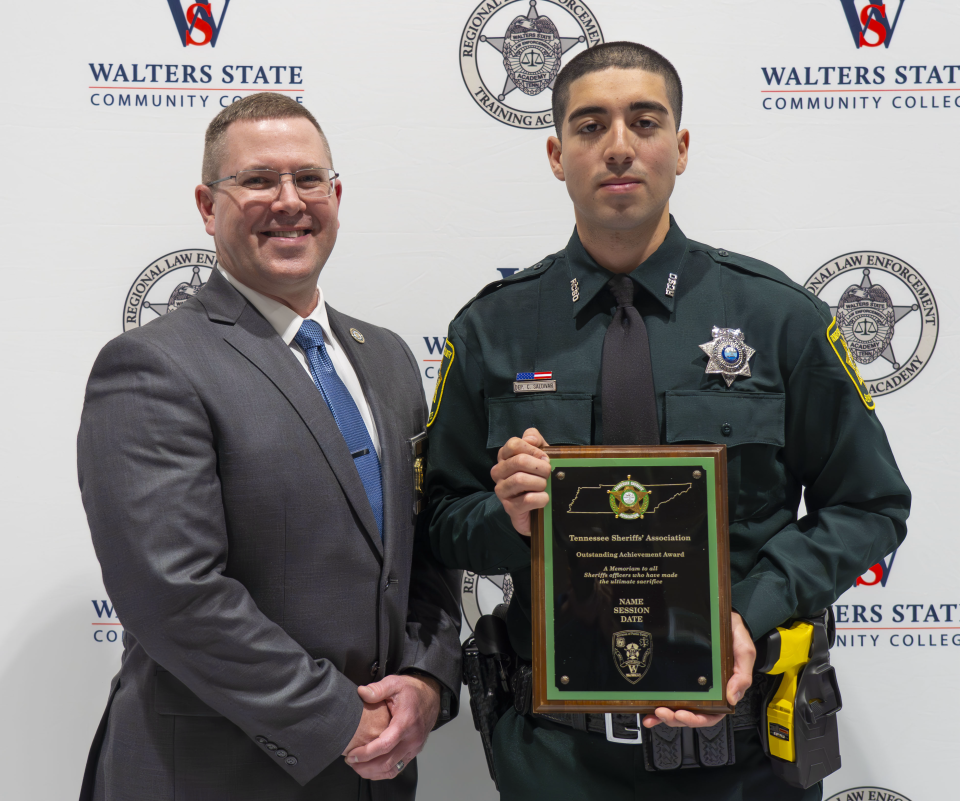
[448, 354]
[839, 345]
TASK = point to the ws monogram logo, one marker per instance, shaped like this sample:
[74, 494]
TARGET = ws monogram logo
[878, 574]
[871, 25]
[196, 25]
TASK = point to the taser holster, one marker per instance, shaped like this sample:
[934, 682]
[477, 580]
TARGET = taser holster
[798, 723]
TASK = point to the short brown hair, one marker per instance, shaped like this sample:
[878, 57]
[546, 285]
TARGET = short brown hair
[259, 106]
[619, 55]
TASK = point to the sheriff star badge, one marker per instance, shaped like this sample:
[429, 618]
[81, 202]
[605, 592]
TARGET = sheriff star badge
[729, 355]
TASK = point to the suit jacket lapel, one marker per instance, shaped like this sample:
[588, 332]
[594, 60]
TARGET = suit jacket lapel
[391, 458]
[256, 339]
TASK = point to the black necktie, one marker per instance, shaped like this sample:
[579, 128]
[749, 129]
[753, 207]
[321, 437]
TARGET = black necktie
[629, 402]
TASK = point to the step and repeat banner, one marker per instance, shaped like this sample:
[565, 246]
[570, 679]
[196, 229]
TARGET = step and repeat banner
[823, 140]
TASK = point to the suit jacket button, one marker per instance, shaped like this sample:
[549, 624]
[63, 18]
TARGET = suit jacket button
[261, 740]
[281, 754]
[291, 760]
[374, 668]
[271, 746]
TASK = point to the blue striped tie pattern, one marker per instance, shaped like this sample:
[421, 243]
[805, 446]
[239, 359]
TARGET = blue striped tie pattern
[345, 413]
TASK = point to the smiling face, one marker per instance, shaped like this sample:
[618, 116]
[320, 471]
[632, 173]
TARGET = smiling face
[621, 152]
[275, 245]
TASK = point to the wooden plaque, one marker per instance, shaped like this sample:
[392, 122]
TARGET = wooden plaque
[631, 581]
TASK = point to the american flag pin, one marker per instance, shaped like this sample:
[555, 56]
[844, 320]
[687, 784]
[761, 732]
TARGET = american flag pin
[535, 382]
[534, 376]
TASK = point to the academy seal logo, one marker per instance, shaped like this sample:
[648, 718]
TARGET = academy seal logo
[166, 284]
[631, 653]
[868, 794]
[886, 313]
[480, 595]
[512, 50]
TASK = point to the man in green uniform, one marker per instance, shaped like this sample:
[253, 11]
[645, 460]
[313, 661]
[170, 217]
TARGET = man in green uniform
[638, 323]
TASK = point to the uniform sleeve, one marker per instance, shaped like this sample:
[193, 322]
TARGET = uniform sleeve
[857, 502]
[432, 643]
[468, 527]
[147, 463]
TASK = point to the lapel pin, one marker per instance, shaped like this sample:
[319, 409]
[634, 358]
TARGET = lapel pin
[671, 285]
[729, 354]
[575, 290]
[356, 335]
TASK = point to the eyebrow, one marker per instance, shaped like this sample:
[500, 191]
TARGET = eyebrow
[636, 105]
[262, 166]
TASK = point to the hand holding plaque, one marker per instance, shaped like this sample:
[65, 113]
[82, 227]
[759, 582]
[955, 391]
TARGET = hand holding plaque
[631, 581]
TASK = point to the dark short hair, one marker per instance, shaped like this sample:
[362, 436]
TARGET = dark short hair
[623, 56]
[255, 107]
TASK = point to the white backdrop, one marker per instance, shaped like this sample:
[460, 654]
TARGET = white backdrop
[440, 193]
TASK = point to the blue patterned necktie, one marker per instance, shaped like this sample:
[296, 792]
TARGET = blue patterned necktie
[345, 413]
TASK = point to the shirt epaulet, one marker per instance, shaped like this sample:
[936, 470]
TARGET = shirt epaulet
[527, 274]
[761, 269]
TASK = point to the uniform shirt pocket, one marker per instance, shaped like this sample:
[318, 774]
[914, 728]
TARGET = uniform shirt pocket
[561, 419]
[751, 425]
[726, 418]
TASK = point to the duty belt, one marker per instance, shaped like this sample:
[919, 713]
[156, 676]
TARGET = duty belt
[664, 747]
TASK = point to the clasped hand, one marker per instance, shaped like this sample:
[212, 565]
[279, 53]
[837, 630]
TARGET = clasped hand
[520, 478]
[398, 714]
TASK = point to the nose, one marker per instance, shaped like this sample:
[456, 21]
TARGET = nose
[288, 200]
[619, 145]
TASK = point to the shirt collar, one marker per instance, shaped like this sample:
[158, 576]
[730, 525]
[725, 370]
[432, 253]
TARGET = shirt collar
[653, 275]
[285, 321]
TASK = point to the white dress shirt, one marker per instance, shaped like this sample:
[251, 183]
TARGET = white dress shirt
[287, 323]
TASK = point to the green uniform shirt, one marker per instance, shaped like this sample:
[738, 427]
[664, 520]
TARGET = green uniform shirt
[802, 419]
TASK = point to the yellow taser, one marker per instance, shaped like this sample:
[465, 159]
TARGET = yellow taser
[798, 721]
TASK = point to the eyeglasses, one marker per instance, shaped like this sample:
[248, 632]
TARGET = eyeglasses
[313, 182]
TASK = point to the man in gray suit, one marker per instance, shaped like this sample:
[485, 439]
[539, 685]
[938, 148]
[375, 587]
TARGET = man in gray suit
[247, 470]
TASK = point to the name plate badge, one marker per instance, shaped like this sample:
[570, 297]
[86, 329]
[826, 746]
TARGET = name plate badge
[535, 386]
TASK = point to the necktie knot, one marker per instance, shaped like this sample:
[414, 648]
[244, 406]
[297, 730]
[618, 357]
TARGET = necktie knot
[310, 335]
[622, 288]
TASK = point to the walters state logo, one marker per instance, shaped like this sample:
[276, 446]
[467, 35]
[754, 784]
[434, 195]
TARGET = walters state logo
[886, 312]
[107, 626]
[166, 284]
[155, 83]
[868, 794]
[480, 595]
[512, 50]
[856, 86]
[195, 22]
[872, 24]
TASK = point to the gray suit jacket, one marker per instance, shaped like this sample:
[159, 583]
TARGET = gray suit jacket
[241, 553]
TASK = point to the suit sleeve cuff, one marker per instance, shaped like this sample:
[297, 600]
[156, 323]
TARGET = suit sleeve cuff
[313, 744]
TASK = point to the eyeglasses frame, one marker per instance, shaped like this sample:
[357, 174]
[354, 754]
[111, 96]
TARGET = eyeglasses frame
[293, 180]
